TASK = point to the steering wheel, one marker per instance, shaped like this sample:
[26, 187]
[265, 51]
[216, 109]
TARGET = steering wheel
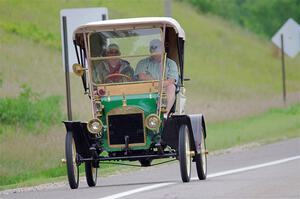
[120, 75]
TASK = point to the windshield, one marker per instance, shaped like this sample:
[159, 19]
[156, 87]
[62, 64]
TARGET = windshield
[125, 56]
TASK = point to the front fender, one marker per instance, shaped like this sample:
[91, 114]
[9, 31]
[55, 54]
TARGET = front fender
[196, 125]
[80, 135]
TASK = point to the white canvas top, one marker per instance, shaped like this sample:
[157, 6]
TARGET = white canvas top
[124, 23]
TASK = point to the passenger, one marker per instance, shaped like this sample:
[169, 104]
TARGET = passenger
[149, 69]
[113, 69]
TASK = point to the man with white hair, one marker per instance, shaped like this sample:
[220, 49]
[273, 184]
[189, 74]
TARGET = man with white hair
[150, 69]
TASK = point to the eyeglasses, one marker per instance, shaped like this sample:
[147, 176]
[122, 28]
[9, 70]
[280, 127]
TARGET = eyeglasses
[154, 47]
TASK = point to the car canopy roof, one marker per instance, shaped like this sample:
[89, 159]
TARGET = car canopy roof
[142, 22]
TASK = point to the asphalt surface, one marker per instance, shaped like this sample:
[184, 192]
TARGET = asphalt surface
[240, 173]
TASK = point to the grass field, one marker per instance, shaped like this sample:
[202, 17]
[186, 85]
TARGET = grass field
[273, 125]
[235, 74]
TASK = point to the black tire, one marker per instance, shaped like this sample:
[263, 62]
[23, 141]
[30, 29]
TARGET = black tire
[185, 158]
[145, 162]
[71, 158]
[201, 160]
[91, 174]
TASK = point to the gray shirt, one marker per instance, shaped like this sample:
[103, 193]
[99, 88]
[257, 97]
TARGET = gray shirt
[152, 67]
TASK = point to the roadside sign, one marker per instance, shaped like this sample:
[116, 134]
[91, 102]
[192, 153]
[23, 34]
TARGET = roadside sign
[291, 38]
[70, 19]
[74, 18]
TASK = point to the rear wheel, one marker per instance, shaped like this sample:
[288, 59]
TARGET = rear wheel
[71, 159]
[145, 162]
[201, 160]
[91, 174]
[184, 151]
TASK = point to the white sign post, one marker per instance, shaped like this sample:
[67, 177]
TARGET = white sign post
[70, 20]
[287, 39]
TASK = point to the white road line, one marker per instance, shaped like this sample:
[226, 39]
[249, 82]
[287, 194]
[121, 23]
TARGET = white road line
[127, 193]
[228, 172]
[251, 167]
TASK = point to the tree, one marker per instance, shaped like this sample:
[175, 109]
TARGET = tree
[263, 17]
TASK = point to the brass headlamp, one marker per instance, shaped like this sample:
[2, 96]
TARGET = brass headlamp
[95, 126]
[152, 122]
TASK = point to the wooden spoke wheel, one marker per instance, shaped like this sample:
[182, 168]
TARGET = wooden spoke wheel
[185, 156]
[91, 174]
[71, 160]
[201, 160]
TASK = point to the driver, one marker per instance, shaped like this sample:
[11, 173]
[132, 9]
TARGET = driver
[113, 69]
[150, 68]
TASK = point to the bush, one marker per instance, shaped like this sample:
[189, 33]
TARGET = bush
[29, 109]
[33, 32]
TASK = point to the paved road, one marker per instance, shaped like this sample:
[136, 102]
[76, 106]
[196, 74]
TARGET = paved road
[270, 171]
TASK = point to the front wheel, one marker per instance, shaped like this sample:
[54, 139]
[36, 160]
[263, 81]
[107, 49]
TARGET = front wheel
[184, 151]
[71, 159]
[91, 174]
[201, 160]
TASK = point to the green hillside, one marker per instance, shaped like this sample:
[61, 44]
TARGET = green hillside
[225, 63]
[234, 73]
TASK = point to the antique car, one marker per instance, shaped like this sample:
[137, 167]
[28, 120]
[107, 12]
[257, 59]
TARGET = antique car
[130, 120]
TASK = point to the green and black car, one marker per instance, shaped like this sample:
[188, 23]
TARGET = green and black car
[129, 115]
